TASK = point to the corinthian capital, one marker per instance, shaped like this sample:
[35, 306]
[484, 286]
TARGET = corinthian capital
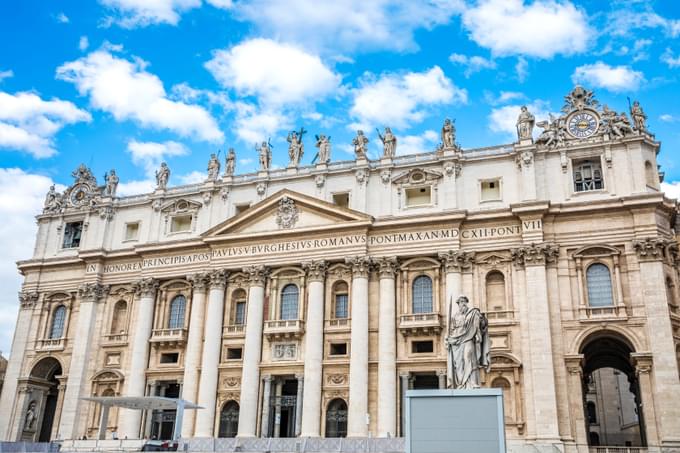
[360, 265]
[146, 287]
[387, 266]
[457, 260]
[92, 292]
[199, 281]
[651, 249]
[218, 278]
[28, 299]
[316, 270]
[257, 275]
[535, 254]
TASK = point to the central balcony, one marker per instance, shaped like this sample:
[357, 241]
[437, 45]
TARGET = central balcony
[114, 339]
[168, 338]
[420, 324]
[234, 330]
[338, 325]
[284, 329]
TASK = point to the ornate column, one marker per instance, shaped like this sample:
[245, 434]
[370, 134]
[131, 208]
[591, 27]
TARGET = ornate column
[664, 377]
[404, 378]
[311, 399]
[574, 365]
[135, 381]
[266, 397]
[89, 295]
[27, 301]
[648, 419]
[250, 377]
[540, 355]
[298, 403]
[192, 356]
[212, 344]
[358, 361]
[455, 262]
[387, 348]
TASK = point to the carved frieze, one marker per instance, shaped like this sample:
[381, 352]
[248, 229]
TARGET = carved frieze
[535, 254]
[28, 299]
[287, 213]
[284, 351]
[457, 260]
[231, 381]
[650, 249]
[337, 379]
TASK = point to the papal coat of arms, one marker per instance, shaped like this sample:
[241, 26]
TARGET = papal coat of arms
[287, 214]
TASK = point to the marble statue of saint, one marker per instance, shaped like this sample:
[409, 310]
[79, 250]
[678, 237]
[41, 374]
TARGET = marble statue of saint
[449, 134]
[620, 125]
[213, 167]
[265, 154]
[323, 142]
[639, 117]
[230, 163]
[360, 143]
[296, 148]
[468, 345]
[162, 176]
[31, 417]
[525, 124]
[389, 142]
[112, 180]
[53, 200]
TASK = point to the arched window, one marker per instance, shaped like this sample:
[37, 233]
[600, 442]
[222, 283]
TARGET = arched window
[594, 439]
[422, 294]
[229, 420]
[177, 308]
[508, 397]
[238, 301]
[336, 418]
[495, 291]
[119, 317]
[340, 301]
[592, 412]
[289, 302]
[599, 285]
[58, 319]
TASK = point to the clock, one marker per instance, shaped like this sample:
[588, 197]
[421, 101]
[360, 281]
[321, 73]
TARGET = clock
[582, 124]
[79, 194]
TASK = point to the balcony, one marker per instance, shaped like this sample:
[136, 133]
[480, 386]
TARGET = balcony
[168, 338]
[51, 344]
[234, 330]
[284, 329]
[420, 324]
[618, 449]
[597, 314]
[114, 339]
[338, 325]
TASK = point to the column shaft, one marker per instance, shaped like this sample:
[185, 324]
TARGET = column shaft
[266, 397]
[298, 403]
[387, 352]
[358, 362]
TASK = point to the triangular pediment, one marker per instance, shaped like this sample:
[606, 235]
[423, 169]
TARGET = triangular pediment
[288, 211]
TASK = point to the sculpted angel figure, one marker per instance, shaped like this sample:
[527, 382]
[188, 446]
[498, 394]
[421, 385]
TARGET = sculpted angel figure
[112, 180]
[230, 163]
[265, 153]
[323, 142]
[525, 124]
[213, 167]
[639, 117]
[449, 134]
[296, 148]
[162, 176]
[52, 200]
[468, 345]
[389, 142]
[620, 125]
[360, 143]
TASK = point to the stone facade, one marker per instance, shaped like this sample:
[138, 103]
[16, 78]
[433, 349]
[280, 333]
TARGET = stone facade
[305, 301]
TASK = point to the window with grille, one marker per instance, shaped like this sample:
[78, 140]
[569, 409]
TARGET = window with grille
[229, 420]
[336, 418]
[240, 313]
[72, 233]
[587, 175]
[177, 307]
[58, 319]
[289, 302]
[599, 285]
[422, 294]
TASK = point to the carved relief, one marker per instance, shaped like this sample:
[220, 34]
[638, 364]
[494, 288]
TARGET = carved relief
[360, 265]
[287, 213]
[336, 379]
[535, 254]
[284, 351]
[387, 266]
[28, 299]
[92, 292]
[650, 249]
[146, 287]
[457, 260]
[256, 274]
[316, 270]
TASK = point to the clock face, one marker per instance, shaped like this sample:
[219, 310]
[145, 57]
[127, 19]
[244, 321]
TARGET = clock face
[582, 124]
[78, 195]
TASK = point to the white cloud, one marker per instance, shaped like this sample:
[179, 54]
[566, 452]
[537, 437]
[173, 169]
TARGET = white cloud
[503, 97]
[135, 187]
[400, 99]
[504, 119]
[540, 29]
[255, 124]
[21, 198]
[274, 72]
[150, 154]
[6, 74]
[341, 26]
[140, 13]
[415, 144]
[671, 189]
[623, 20]
[192, 178]
[668, 118]
[129, 92]
[62, 18]
[671, 60]
[522, 69]
[83, 43]
[29, 123]
[612, 78]
[472, 64]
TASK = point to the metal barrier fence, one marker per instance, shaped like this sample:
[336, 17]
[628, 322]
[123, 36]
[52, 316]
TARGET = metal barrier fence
[294, 445]
[29, 447]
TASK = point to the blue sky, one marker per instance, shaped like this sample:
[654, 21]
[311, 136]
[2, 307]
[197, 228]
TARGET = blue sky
[126, 84]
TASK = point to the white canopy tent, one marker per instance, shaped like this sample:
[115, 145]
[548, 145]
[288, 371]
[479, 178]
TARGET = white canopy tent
[142, 403]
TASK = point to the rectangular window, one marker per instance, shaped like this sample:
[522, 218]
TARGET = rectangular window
[132, 231]
[240, 313]
[422, 347]
[338, 349]
[418, 196]
[239, 208]
[171, 357]
[341, 199]
[341, 302]
[234, 353]
[491, 190]
[587, 175]
[72, 233]
[180, 223]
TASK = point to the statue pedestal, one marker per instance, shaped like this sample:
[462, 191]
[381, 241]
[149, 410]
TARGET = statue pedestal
[263, 174]
[526, 142]
[385, 161]
[291, 170]
[321, 166]
[227, 179]
[362, 162]
[454, 421]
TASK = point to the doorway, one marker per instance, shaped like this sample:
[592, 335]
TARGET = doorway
[163, 421]
[282, 407]
[41, 411]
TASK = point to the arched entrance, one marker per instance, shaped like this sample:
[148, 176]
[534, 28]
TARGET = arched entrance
[41, 406]
[229, 420]
[611, 392]
[336, 418]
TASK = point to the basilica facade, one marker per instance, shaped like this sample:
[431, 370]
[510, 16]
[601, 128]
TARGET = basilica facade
[305, 301]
